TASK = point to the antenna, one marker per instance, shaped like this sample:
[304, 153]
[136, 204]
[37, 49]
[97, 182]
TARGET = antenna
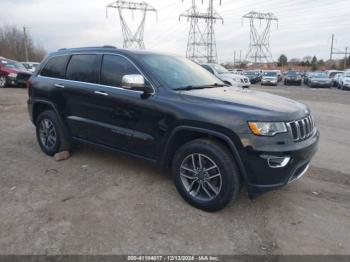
[132, 40]
[259, 46]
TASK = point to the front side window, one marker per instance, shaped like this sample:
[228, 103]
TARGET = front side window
[176, 72]
[113, 69]
[82, 68]
[55, 67]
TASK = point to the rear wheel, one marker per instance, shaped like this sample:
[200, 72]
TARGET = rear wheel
[205, 174]
[3, 81]
[49, 133]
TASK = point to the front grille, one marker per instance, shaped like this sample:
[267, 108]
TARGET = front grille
[23, 76]
[302, 129]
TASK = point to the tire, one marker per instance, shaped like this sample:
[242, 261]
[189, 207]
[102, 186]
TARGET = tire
[225, 181]
[50, 134]
[3, 81]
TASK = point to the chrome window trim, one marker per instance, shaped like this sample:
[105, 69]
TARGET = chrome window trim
[98, 53]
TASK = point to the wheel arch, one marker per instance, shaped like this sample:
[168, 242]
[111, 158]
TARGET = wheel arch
[40, 106]
[183, 134]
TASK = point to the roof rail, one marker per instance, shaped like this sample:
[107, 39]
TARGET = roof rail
[89, 47]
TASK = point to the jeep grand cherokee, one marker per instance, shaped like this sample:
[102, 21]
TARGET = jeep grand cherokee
[169, 110]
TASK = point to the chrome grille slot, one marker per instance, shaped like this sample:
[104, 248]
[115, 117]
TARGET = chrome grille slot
[301, 129]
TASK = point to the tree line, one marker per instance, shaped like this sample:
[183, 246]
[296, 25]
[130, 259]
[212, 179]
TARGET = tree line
[14, 42]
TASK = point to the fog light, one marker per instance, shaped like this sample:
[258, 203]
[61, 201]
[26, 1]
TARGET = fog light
[276, 161]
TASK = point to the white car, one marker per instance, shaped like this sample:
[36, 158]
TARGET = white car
[270, 78]
[336, 79]
[30, 66]
[344, 81]
[226, 76]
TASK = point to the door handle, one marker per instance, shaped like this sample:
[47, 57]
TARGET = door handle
[100, 93]
[59, 85]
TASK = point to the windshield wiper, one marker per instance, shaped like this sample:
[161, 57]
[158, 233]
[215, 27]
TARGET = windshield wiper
[191, 87]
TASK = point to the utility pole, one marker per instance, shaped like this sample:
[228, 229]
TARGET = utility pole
[201, 46]
[25, 43]
[331, 56]
[346, 56]
[259, 46]
[234, 58]
[132, 40]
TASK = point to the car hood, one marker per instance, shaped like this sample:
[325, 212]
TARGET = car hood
[254, 103]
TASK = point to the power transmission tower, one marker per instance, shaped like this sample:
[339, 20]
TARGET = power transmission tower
[201, 44]
[259, 46]
[132, 40]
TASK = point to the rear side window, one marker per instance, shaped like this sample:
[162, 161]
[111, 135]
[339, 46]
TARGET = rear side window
[82, 68]
[114, 68]
[55, 67]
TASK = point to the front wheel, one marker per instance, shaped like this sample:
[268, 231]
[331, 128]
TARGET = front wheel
[205, 174]
[3, 81]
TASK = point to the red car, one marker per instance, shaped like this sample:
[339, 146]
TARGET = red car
[12, 73]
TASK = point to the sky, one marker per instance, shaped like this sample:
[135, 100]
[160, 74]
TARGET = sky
[305, 27]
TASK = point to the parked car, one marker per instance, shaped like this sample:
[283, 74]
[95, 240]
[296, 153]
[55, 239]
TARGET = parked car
[172, 112]
[279, 75]
[319, 79]
[30, 66]
[336, 80]
[269, 78]
[344, 81]
[12, 73]
[226, 76]
[254, 76]
[331, 73]
[292, 77]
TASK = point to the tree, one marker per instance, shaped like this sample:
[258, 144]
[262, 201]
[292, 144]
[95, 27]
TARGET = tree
[13, 42]
[282, 60]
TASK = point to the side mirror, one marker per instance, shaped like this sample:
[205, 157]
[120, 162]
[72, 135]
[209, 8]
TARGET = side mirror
[135, 82]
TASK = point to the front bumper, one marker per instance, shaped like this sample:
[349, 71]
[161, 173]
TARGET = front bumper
[293, 81]
[317, 84]
[262, 177]
[269, 82]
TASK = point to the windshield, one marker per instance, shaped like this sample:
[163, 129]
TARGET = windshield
[347, 75]
[319, 75]
[292, 73]
[177, 72]
[12, 64]
[270, 74]
[250, 73]
[220, 69]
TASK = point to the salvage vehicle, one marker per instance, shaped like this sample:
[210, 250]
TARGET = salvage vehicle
[12, 73]
[170, 111]
[254, 76]
[230, 78]
[319, 79]
[269, 78]
[344, 81]
[292, 77]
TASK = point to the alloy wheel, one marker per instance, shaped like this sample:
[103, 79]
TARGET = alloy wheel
[47, 134]
[201, 177]
[2, 82]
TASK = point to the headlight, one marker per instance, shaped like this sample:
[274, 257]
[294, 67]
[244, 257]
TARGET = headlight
[12, 75]
[267, 128]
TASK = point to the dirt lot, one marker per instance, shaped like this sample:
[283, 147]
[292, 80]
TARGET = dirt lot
[98, 202]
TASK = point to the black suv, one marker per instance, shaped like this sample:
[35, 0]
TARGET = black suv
[171, 111]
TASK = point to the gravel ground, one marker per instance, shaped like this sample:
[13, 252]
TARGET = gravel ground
[98, 202]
